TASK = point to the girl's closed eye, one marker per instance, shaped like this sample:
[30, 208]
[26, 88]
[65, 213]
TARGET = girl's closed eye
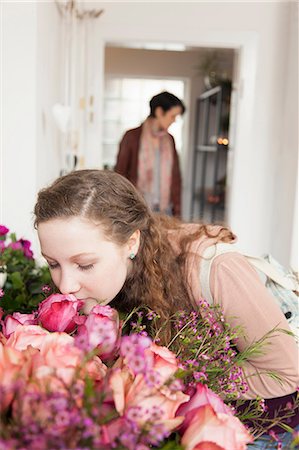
[86, 267]
[52, 265]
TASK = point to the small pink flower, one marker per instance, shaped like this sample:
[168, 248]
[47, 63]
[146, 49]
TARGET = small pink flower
[1, 292]
[101, 330]
[46, 289]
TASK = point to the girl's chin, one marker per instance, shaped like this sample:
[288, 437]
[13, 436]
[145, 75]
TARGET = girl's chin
[89, 303]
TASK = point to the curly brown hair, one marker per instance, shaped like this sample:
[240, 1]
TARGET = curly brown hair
[157, 280]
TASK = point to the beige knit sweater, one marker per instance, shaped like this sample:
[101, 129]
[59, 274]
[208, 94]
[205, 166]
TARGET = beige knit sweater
[245, 301]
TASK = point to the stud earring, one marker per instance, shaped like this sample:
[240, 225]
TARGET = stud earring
[132, 256]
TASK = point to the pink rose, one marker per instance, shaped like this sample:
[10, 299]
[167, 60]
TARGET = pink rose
[101, 330]
[59, 312]
[150, 391]
[201, 396]
[58, 358]
[10, 323]
[25, 335]
[164, 361]
[11, 362]
[26, 247]
[3, 230]
[210, 430]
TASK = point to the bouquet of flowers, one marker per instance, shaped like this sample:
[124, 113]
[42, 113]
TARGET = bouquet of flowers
[21, 279]
[73, 381]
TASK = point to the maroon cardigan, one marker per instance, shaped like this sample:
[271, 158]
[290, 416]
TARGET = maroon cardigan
[127, 165]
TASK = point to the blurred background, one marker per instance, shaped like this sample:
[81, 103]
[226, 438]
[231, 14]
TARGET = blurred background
[75, 75]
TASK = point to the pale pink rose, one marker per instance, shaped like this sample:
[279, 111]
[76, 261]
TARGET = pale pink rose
[10, 323]
[59, 312]
[210, 428]
[96, 369]
[201, 396]
[11, 363]
[58, 355]
[130, 391]
[25, 335]
[164, 361]
[101, 330]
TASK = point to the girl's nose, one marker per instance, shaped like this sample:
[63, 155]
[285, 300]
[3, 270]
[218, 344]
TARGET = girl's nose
[68, 284]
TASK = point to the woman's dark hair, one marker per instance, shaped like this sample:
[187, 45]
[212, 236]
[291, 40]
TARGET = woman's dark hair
[166, 101]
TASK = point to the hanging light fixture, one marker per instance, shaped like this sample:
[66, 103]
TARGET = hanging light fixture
[70, 114]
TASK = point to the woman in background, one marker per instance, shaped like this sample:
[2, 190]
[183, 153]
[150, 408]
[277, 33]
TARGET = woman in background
[148, 158]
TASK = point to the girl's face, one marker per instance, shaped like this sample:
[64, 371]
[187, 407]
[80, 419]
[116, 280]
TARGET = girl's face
[83, 262]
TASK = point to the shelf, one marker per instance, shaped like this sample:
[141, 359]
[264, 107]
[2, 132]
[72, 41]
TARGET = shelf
[210, 160]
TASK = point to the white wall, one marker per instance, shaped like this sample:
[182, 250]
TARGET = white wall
[285, 210]
[30, 65]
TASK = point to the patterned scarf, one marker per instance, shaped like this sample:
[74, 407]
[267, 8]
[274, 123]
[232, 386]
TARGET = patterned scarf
[155, 144]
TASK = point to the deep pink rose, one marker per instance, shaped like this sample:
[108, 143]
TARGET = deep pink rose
[209, 430]
[59, 312]
[3, 230]
[11, 322]
[15, 245]
[101, 330]
[24, 245]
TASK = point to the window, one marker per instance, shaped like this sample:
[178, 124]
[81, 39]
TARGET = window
[126, 105]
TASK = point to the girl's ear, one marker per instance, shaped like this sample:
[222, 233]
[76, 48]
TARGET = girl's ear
[133, 244]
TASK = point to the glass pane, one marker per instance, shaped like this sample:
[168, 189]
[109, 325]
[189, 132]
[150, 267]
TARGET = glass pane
[112, 87]
[131, 88]
[112, 109]
[110, 154]
[131, 109]
[111, 131]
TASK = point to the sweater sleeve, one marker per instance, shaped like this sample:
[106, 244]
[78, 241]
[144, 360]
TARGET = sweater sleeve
[176, 184]
[124, 156]
[245, 301]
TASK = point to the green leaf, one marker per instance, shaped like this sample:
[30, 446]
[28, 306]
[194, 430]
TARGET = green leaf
[16, 280]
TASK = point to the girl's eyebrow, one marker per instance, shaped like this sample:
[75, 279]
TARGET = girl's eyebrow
[74, 257]
[46, 256]
[78, 255]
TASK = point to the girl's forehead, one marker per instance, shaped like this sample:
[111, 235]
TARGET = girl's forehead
[71, 226]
